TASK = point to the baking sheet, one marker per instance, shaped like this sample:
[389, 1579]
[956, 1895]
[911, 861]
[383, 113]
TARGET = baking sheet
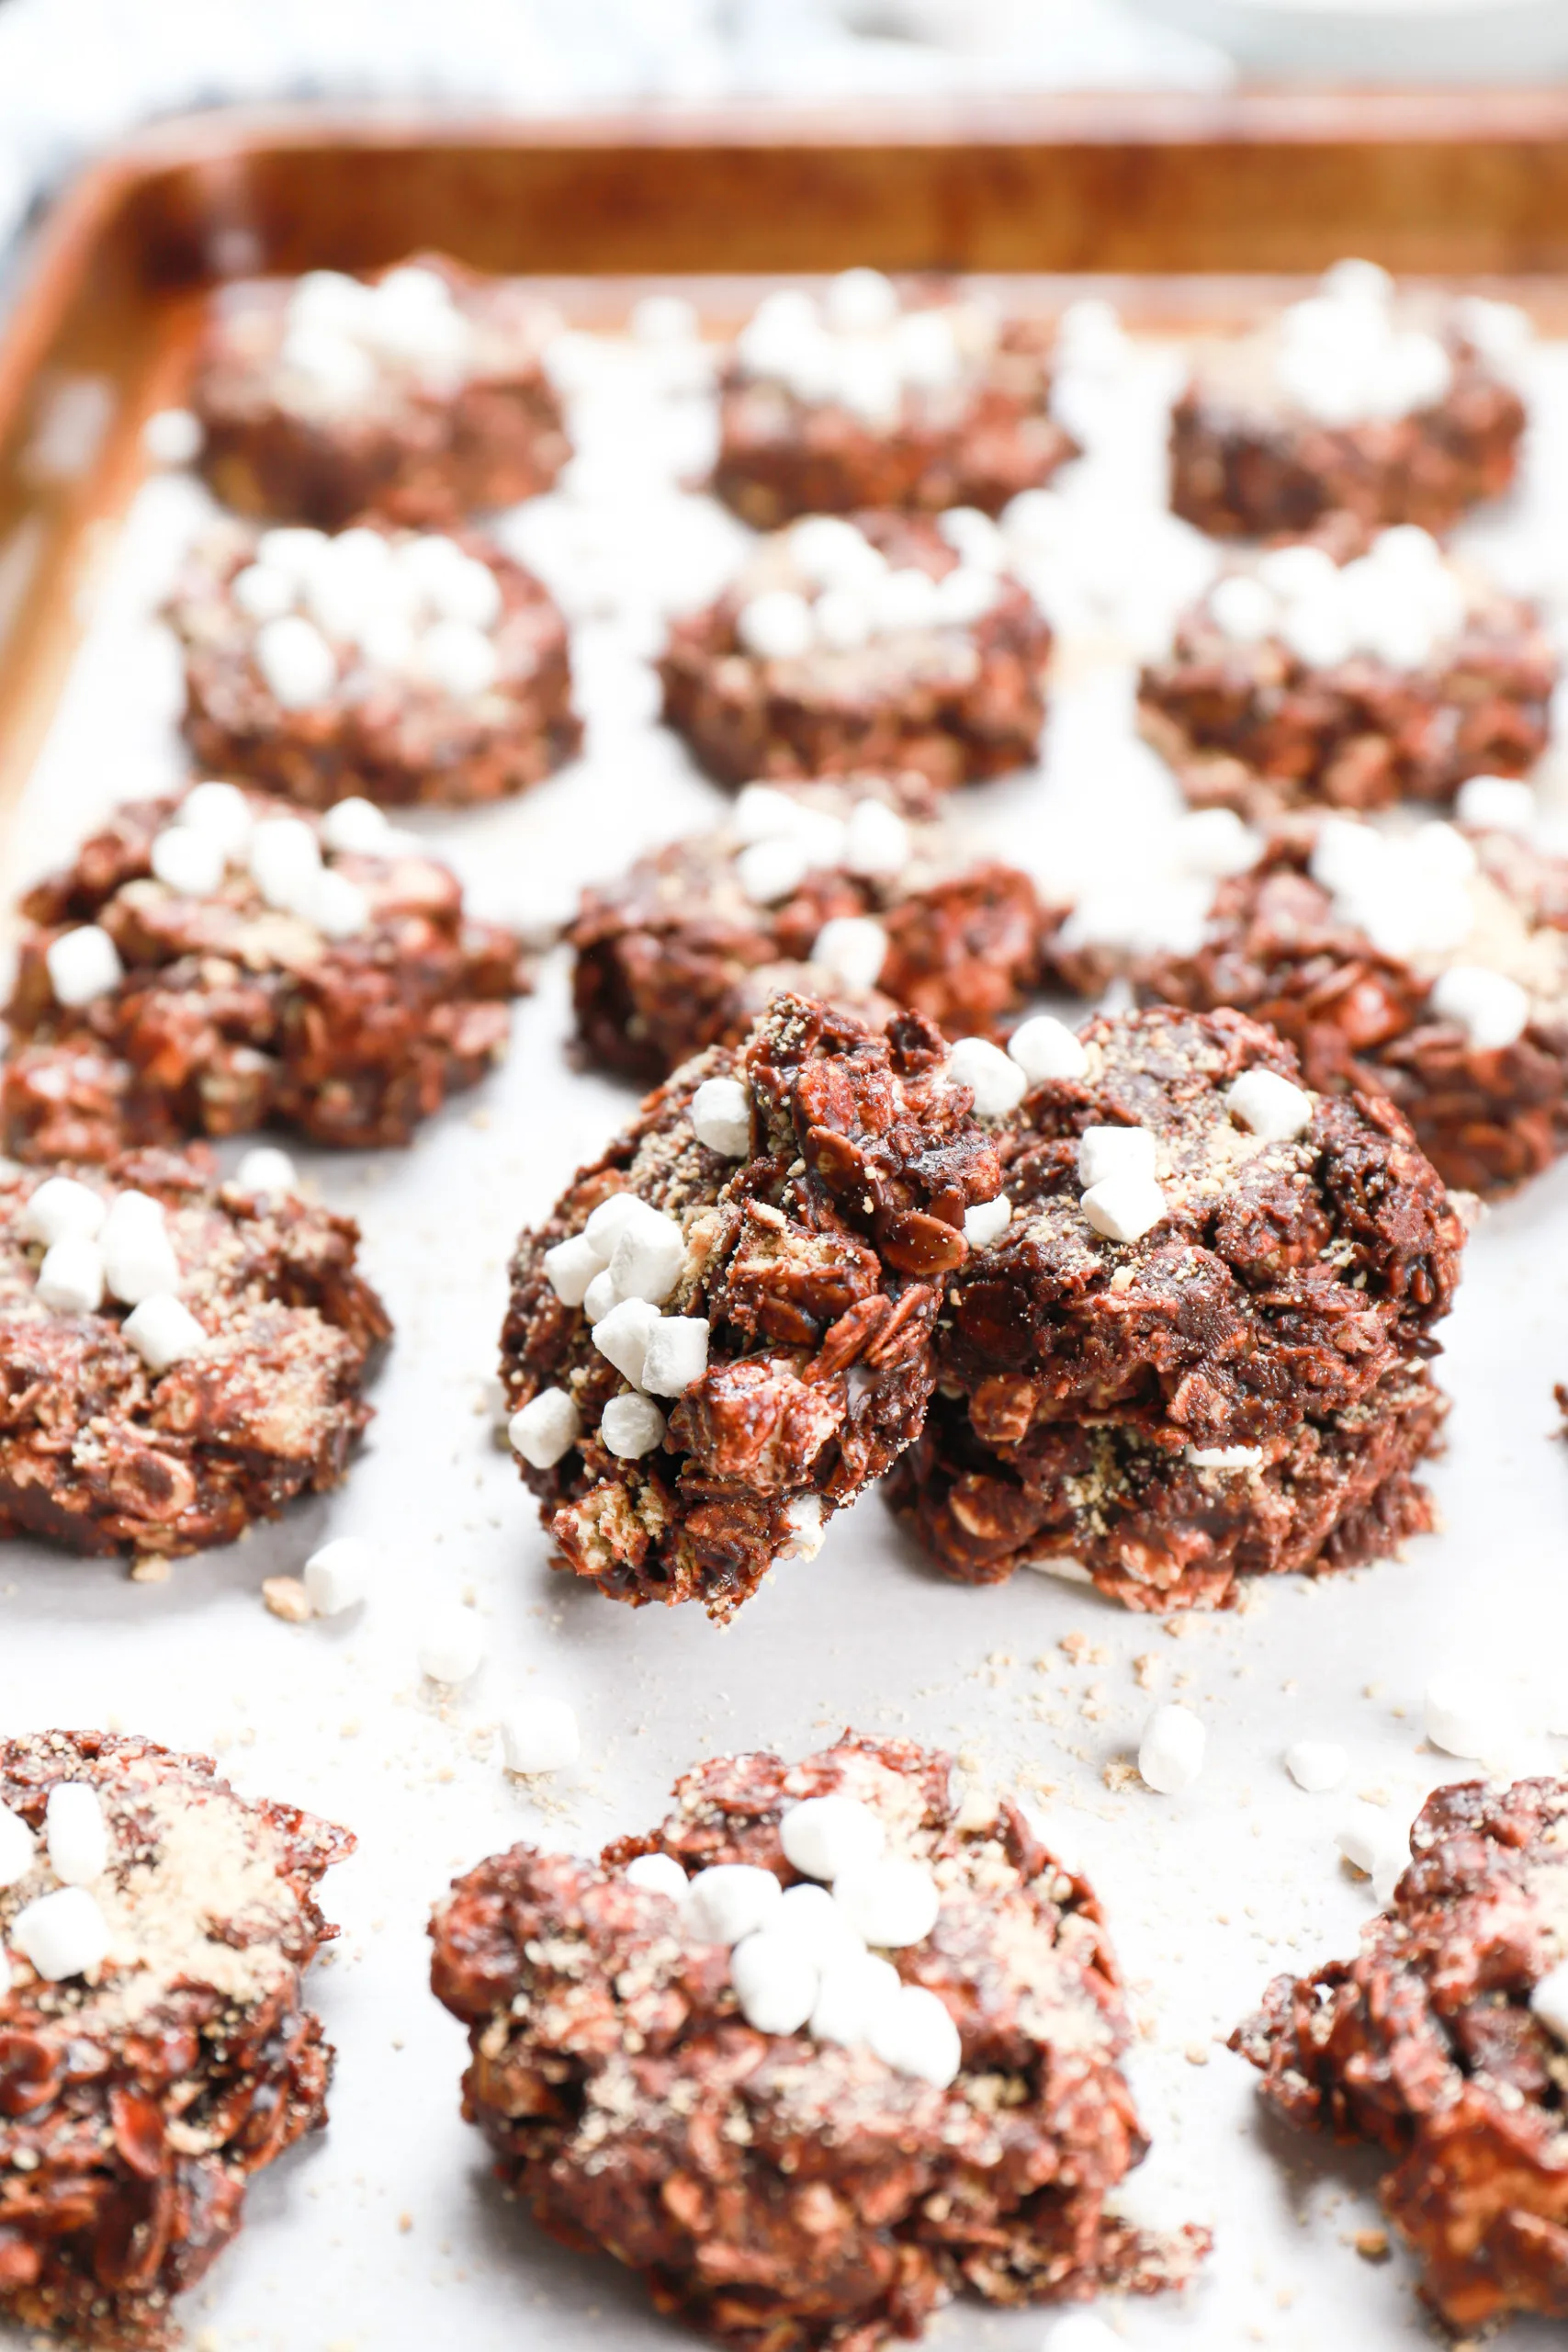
[386, 2230]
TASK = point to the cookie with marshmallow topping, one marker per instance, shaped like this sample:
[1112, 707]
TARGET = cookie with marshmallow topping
[723, 1331]
[183, 1357]
[861, 398]
[217, 961]
[1364, 400]
[421, 393]
[855, 890]
[155, 1927]
[1297, 681]
[873, 642]
[828, 2027]
[375, 663]
[1195, 1351]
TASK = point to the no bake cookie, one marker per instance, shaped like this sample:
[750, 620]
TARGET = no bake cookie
[810, 2118]
[421, 394]
[865, 643]
[396, 666]
[155, 2051]
[216, 961]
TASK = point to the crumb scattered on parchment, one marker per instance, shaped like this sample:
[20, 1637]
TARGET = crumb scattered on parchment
[287, 1598]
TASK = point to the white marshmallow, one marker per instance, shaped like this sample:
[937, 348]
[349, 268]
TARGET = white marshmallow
[630, 1427]
[1241, 609]
[661, 320]
[545, 1428]
[996, 1078]
[337, 907]
[356, 826]
[856, 1989]
[83, 964]
[333, 370]
[1170, 1753]
[807, 1526]
[218, 809]
[1548, 2001]
[891, 1904]
[71, 1279]
[458, 659]
[63, 1934]
[906, 599]
[571, 1266]
[916, 2036]
[1461, 1715]
[328, 297]
[461, 588]
[61, 1209]
[284, 858]
[1316, 1765]
[659, 1874]
[1372, 1845]
[825, 1837]
[622, 1336]
[610, 1219]
[174, 437]
[1270, 1106]
[75, 1833]
[1044, 1047]
[16, 1847]
[860, 301]
[1317, 633]
[776, 626]
[676, 1355]
[828, 552]
[647, 1257]
[878, 842]
[965, 596]
[1298, 574]
[729, 1900]
[260, 592]
[1492, 1010]
[294, 549]
[1123, 1208]
[1495, 804]
[540, 1735]
[1214, 843]
[775, 1983]
[297, 666]
[1082, 2331]
[266, 1170]
[1224, 1457]
[852, 949]
[810, 1919]
[865, 380]
[986, 1222]
[338, 1575]
[974, 537]
[451, 1645]
[721, 1115]
[139, 1257]
[1114, 1151]
[843, 620]
[164, 1332]
[770, 870]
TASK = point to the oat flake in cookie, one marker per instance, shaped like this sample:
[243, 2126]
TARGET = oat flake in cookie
[1442, 2045]
[218, 962]
[809, 2119]
[723, 1332]
[397, 666]
[421, 394]
[855, 890]
[870, 642]
[1196, 1350]
[861, 400]
[154, 2049]
[181, 1357]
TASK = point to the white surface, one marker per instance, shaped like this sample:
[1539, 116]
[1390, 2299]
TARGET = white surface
[1209, 1893]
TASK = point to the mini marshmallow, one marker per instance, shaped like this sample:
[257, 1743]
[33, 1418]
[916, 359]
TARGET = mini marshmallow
[16, 1847]
[676, 1355]
[540, 1735]
[729, 1900]
[284, 858]
[599, 1298]
[571, 1266]
[71, 1279]
[891, 1904]
[995, 1079]
[1225, 1457]
[83, 964]
[220, 810]
[1491, 1010]
[775, 1984]
[1114, 1151]
[1123, 1208]
[1372, 1845]
[356, 827]
[776, 626]
[1549, 2002]
[545, 1428]
[905, 599]
[333, 369]
[647, 1257]
[464, 589]
[262, 593]
[163, 1332]
[916, 2036]
[659, 1874]
[1495, 804]
[451, 1645]
[856, 1991]
[829, 551]
[825, 1837]
[1044, 1047]
[139, 1257]
[804, 1517]
[1316, 1765]
[721, 1115]
[770, 870]
[294, 549]
[62, 1208]
[843, 620]
[75, 1833]
[1270, 1106]
[622, 1336]
[458, 659]
[338, 1575]
[610, 1219]
[853, 948]
[1241, 609]
[62, 1935]
[174, 437]
[987, 1222]
[297, 666]
[1459, 1715]
[266, 1170]
[860, 301]
[186, 861]
[337, 907]
[630, 1427]
[974, 536]
[878, 842]
[1170, 1753]
[965, 596]
[810, 1919]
